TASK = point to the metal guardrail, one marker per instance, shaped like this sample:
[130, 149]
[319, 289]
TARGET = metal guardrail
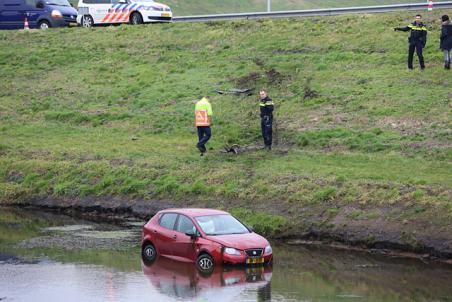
[314, 12]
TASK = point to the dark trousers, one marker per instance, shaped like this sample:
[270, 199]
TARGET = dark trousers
[266, 125]
[418, 47]
[204, 134]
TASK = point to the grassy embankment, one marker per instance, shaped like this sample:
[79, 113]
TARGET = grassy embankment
[200, 7]
[109, 112]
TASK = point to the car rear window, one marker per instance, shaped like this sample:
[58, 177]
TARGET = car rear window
[167, 220]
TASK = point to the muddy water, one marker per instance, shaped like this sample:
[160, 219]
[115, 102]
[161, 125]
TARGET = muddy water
[48, 257]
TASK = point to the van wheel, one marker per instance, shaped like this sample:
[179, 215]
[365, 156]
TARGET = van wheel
[205, 263]
[43, 24]
[136, 19]
[87, 21]
[149, 252]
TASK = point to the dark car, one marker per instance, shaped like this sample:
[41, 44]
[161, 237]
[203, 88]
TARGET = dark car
[39, 13]
[204, 236]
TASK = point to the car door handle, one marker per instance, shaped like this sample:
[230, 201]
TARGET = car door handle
[155, 231]
[175, 236]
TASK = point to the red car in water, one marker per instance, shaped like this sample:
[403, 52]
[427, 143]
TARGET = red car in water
[204, 236]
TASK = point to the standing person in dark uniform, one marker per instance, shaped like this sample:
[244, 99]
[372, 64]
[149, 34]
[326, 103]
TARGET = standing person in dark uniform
[446, 40]
[266, 106]
[417, 40]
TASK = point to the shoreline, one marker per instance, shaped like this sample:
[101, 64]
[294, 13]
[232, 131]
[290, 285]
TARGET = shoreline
[117, 209]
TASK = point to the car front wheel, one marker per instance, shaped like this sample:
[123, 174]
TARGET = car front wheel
[87, 21]
[149, 252]
[136, 19]
[205, 263]
[44, 24]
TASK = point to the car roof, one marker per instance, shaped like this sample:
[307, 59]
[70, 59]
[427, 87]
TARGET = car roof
[193, 212]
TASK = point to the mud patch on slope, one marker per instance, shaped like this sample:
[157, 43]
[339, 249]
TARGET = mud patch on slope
[270, 77]
[75, 237]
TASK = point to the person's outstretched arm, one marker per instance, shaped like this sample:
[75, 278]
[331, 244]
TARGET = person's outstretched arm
[406, 28]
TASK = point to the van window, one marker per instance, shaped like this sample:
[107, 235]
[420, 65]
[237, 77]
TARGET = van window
[167, 220]
[30, 2]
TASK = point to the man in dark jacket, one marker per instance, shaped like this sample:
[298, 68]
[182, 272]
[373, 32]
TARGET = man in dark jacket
[266, 106]
[446, 40]
[417, 40]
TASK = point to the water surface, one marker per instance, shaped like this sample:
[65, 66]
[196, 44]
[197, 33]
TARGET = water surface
[49, 257]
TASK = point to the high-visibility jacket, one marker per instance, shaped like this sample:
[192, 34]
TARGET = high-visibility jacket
[418, 33]
[266, 106]
[203, 113]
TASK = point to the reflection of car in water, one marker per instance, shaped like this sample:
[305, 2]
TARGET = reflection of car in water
[183, 280]
[203, 236]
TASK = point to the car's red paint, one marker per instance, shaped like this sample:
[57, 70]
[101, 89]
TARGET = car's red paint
[175, 244]
[184, 281]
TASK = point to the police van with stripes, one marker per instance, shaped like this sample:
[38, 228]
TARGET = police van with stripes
[97, 12]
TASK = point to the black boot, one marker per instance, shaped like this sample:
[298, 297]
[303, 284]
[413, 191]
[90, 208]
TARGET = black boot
[447, 65]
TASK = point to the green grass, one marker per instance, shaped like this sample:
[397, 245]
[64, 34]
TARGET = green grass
[109, 112]
[199, 7]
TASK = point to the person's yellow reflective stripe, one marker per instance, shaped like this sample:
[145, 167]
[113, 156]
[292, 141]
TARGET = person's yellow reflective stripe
[266, 104]
[417, 27]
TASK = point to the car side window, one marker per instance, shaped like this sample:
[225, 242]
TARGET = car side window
[167, 220]
[30, 2]
[185, 225]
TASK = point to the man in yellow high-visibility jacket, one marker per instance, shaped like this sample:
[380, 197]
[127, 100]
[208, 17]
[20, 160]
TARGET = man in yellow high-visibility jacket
[203, 120]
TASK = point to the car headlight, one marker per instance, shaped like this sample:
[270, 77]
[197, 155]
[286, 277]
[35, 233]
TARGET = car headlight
[152, 8]
[56, 14]
[268, 249]
[231, 251]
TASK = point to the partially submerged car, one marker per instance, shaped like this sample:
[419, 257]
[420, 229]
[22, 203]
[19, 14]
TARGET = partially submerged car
[204, 236]
[106, 12]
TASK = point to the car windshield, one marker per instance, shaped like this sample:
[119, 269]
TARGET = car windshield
[58, 2]
[221, 225]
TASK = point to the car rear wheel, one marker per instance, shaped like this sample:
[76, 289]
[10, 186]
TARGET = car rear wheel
[87, 21]
[43, 24]
[205, 263]
[136, 19]
[149, 252]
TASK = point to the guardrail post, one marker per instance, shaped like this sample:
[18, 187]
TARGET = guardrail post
[269, 5]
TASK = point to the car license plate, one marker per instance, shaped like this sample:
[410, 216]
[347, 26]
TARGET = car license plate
[255, 260]
[165, 14]
[255, 270]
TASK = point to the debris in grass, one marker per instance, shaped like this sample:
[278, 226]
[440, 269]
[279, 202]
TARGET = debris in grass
[237, 91]
[236, 149]
[309, 93]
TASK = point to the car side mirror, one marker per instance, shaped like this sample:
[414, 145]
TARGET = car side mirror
[193, 233]
[40, 4]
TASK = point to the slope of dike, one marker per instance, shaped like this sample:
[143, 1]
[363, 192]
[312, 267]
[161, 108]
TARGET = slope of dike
[102, 120]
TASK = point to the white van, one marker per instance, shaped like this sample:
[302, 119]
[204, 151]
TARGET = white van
[93, 12]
